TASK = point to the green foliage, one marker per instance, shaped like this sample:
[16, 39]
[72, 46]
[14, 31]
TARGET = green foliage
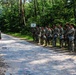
[41, 12]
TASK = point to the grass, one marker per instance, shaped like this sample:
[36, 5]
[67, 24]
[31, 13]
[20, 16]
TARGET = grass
[23, 37]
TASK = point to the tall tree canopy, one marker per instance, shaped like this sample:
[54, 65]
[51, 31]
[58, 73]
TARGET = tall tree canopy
[17, 15]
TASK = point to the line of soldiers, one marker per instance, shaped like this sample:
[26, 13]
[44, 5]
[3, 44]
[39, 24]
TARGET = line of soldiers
[65, 35]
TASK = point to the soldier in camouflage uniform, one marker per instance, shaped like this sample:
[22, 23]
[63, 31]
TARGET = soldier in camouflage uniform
[48, 36]
[37, 31]
[45, 35]
[66, 30]
[61, 35]
[39, 36]
[42, 35]
[55, 35]
[71, 35]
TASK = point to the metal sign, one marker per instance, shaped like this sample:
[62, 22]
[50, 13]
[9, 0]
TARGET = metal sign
[33, 24]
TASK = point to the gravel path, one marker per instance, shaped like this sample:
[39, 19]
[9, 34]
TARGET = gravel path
[19, 57]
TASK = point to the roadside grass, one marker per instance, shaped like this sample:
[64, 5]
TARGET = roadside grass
[21, 36]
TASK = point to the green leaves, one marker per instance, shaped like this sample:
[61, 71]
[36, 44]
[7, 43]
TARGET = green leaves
[41, 12]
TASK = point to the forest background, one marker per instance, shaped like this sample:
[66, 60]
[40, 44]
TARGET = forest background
[16, 16]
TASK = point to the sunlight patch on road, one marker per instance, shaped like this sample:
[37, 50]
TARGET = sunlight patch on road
[7, 41]
[3, 54]
[39, 61]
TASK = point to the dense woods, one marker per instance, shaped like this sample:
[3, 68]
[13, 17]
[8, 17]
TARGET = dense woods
[17, 15]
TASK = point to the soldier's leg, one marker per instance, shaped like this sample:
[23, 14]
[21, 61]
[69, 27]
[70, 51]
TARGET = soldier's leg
[36, 38]
[54, 42]
[49, 39]
[33, 37]
[72, 45]
[68, 43]
[46, 41]
[39, 39]
[65, 42]
[42, 40]
[60, 43]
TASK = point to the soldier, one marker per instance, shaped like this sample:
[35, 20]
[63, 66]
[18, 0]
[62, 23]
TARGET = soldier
[65, 39]
[71, 35]
[66, 30]
[48, 36]
[42, 35]
[61, 35]
[39, 36]
[37, 31]
[45, 35]
[55, 35]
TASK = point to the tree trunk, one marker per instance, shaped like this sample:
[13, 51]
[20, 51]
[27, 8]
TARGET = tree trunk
[21, 12]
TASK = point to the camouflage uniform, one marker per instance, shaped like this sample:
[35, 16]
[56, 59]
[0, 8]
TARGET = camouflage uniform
[71, 35]
[48, 36]
[39, 36]
[61, 36]
[45, 35]
[67, 28]
[55, 36]
[37, 31]
[42, 36]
